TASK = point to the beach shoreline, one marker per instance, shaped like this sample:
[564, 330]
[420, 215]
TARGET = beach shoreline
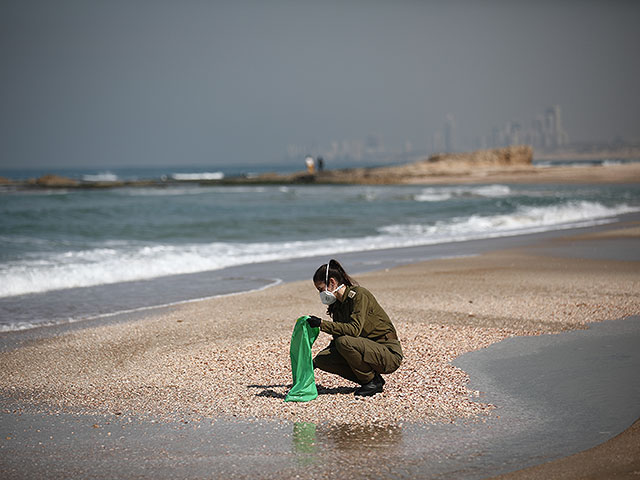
[182, 363]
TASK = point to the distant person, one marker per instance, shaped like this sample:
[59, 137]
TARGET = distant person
[309, 163]
[320, 163]
[365, 344]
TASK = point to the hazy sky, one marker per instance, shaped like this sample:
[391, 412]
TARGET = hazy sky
[152, 82]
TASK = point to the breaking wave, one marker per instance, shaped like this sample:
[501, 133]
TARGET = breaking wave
[101, 177]
[441, 194]
[121, 261]
[198, 176]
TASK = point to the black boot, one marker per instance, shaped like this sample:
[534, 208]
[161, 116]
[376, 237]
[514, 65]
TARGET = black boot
[371, 388]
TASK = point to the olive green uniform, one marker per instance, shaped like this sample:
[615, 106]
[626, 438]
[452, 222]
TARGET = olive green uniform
[364, 339]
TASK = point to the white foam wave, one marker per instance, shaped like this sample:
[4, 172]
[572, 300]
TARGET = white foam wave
[165, 191]
[198, 176]
[112, 265]
[116, 262]
[523, 220]
[101, 177]
[441, 194]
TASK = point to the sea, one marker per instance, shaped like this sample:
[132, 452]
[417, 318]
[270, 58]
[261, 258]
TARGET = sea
[68, 255]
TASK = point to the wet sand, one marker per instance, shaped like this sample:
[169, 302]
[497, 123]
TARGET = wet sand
[618, 458]
[561, 394]
[224, 362]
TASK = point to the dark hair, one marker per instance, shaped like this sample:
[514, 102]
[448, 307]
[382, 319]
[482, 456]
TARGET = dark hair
[335, 271]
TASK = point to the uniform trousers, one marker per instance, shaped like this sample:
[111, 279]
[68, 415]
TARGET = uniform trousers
[356, 359]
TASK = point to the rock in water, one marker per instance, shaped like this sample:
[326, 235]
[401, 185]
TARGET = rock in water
[56, 181]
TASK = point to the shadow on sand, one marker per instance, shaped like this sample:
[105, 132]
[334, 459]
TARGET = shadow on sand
[268, 390]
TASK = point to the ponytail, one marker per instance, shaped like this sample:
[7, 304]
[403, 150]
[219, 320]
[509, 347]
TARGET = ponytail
[335, 271]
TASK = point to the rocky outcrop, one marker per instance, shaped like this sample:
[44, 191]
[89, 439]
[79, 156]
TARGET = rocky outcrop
[480, 163]
[54, 181]
[514, 156]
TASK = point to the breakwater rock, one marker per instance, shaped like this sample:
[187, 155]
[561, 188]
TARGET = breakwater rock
[53, 181]
[477, 166]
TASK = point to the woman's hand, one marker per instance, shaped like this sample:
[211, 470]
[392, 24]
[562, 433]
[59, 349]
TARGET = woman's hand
[314, 321]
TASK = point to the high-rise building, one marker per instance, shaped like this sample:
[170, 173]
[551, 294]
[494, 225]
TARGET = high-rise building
[496, 138]
[437, 142]
[373, 144]
[554, 135]
[450, 134]
[546, 132]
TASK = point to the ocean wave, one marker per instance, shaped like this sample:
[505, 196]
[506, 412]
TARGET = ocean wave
[164, 191]
[101, 177]
[441, 194]
[198, 176]
[193, 189]
[122, 262]
[523, 220]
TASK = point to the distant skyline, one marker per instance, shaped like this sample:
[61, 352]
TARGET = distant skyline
[155, 83]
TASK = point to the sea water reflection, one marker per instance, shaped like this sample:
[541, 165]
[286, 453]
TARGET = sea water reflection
[311, 441]
[305, 442]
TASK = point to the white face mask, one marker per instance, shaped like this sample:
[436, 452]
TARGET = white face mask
[327, 296]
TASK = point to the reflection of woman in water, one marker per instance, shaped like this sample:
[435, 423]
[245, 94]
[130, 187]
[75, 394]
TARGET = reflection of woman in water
[365, 343]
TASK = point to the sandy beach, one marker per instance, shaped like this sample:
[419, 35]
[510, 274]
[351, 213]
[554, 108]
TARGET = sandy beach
[227, 358]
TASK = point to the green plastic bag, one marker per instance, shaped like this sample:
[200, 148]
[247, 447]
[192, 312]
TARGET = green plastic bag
[304, 382]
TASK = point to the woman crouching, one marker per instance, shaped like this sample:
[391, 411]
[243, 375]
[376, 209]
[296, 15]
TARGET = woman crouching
[365, 344]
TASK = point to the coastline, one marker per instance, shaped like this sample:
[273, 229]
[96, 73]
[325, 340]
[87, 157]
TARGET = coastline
[417, 173]
[179, 364]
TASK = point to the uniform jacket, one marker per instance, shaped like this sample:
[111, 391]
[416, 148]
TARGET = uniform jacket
[359, 314]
